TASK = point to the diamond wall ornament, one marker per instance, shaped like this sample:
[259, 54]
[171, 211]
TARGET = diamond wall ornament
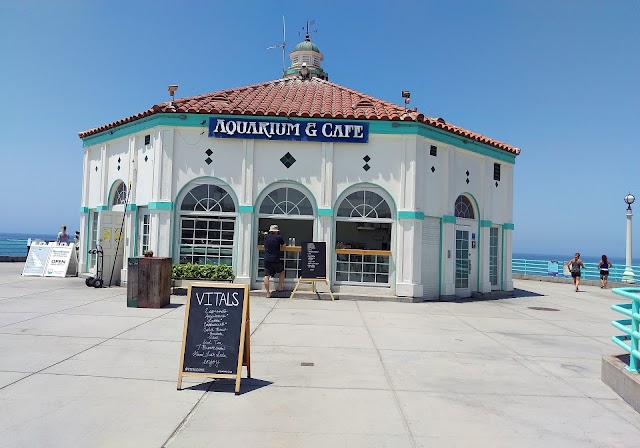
[467, 181]
[208, 152]
[119, 160]
[433, 169]
[146, 158]
[288, 160]
[208, 160]
[366, 158]
[96, 169]
[467, 173]
[496, 184]
[118, 167]
[366, 167]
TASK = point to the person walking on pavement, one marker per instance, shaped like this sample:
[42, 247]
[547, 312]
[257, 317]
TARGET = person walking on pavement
[272, 263]
[574, 267]
[604, 266]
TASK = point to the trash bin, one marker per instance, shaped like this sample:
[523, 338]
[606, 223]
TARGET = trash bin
[148, 282]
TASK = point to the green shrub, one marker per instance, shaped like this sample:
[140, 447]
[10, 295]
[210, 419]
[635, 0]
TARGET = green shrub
[204, 272]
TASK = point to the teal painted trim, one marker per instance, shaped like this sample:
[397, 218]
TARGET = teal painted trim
[423, 130]
[85, 240]
[448, 219]
[485, 223]
[325, 212]
[408, 214]
[502, 264]
[508, 226]
[131, 207]
[245, 208]
[441, 267]
[168, 205]
[84, 209]
[135, 226]
[375, 127]
[102, 207]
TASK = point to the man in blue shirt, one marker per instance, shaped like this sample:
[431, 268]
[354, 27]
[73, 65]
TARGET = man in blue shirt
[272, 263]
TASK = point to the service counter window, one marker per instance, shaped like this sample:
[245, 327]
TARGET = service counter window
[363, 239]
[291, 210]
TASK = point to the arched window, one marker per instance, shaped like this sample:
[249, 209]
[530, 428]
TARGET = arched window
[207, 226]
[286, 201]
[364, 204]
[208, 198]
[464, 209]
[120, 195]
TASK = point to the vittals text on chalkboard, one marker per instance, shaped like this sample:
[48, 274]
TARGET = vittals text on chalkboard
[215, 342]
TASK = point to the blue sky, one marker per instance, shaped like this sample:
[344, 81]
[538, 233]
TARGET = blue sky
[559, 79]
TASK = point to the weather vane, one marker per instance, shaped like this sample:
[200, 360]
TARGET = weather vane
[306, 28]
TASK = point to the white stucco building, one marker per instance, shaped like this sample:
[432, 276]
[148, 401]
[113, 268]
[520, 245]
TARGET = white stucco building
[408, 205]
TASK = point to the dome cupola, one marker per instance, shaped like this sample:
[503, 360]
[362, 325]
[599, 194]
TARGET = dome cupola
[305, 61]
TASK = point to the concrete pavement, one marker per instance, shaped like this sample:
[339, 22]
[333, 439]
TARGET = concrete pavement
[79, 368]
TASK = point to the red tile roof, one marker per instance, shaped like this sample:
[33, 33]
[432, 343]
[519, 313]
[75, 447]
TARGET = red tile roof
[294, 97]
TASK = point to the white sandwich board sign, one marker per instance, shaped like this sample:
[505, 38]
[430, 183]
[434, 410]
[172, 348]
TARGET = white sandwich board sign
[62, 261]
[36, 259]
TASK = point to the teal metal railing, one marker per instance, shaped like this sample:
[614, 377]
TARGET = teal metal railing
[628, 326]
[556, 269]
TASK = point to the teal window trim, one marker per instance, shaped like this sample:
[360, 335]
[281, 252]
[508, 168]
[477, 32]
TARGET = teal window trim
[485, 223]
[375, 127]
[161, 205]
[507, 226]
[85, 240]
[448, 219]
[131, 207]
[325, 212]
[245, 208]
[136, 225]
[102, 207]
[502, 257]
[84, 209]
[410, 214]
[441, 269]
[479, 251]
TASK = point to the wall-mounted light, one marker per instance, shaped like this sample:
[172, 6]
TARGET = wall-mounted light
[172, 90]
[407, 96]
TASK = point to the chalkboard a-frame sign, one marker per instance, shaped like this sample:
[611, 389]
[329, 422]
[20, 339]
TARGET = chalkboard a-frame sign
[216, 337]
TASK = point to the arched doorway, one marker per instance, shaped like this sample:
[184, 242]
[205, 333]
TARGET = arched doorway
[293, 211]
[465, 245]
[364, 223]
[206, 225]
[111, 234]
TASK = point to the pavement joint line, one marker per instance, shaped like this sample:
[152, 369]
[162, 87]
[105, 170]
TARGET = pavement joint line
[45, 314]
[82, 351]
[394, 393]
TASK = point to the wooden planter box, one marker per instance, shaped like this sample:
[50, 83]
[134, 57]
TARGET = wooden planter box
[148, 282]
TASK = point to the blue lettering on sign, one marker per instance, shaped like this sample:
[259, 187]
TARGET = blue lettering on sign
[311, 131]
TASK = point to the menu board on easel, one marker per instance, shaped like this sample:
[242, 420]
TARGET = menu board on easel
[313, 260]
[313, 266]
[216, 337]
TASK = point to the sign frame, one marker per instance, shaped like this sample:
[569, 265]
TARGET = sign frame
[313, 280]
[244, 350]
[66, 264]
[37, 247]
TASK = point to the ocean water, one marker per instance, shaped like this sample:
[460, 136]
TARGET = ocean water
[15, 244]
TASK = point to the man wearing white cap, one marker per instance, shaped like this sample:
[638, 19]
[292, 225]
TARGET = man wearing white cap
[272, 263]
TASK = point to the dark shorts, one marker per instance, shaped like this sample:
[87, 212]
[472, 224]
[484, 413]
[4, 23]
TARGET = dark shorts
[575, 274]
[604, 273]
[273, 268]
